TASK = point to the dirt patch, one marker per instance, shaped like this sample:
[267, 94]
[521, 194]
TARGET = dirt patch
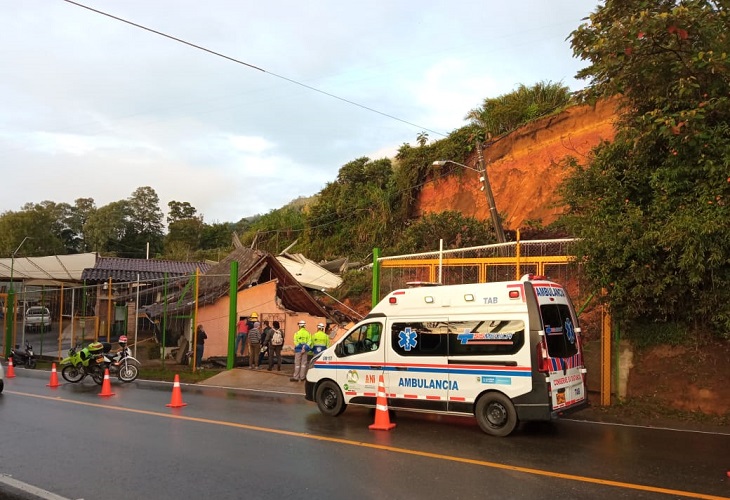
[685, 378]
[524, 168]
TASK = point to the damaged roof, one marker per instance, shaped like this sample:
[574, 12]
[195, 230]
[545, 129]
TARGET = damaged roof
[254, 267]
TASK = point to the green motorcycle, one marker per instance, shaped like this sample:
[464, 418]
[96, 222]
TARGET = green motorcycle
[82, 362]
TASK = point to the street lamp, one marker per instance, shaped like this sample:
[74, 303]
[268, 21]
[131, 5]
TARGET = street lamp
[10, 318]
[482, 171]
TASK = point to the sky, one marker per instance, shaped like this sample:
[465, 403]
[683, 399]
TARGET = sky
[94, 107]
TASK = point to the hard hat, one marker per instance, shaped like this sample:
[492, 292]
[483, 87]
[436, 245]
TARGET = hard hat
[123, 339]
[302, 323]
[321, 325]
[254, 315]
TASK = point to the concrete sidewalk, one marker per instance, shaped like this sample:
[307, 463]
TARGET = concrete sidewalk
[264, 380]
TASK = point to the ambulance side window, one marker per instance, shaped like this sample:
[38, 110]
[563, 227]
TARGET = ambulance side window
[419, 339]
[365, 338]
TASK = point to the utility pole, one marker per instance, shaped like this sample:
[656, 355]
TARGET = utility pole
[490, 197]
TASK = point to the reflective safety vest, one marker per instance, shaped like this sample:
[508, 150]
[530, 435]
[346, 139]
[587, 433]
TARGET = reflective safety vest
[321, 338]
[302, 340]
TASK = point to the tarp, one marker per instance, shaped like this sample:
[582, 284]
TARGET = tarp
[53, 267]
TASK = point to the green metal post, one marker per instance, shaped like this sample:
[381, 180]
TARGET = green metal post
[164, 317]
[232, 315]
[376, 276]
[9, 319]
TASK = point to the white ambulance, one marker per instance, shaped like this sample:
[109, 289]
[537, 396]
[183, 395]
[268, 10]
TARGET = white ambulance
[505, 352]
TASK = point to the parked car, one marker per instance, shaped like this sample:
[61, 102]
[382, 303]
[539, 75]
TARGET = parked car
[37, 318]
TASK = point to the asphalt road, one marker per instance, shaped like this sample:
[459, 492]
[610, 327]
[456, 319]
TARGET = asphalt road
[232, 443]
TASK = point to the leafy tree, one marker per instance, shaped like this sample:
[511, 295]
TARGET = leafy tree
[652, 206]
[454, 228]
[76, 219]
[34, 222]
[107, 227]
[145, 224]
[181, 210]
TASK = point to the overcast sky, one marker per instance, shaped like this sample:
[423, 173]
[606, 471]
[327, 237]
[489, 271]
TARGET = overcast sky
[94, 107]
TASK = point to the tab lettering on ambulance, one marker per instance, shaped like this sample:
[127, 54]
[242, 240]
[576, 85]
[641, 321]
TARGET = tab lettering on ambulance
[424, 383]
[548, 291]
[491, 300]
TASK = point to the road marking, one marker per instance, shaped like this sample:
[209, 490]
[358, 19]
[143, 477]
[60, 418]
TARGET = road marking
[29, 488]
[425, 454]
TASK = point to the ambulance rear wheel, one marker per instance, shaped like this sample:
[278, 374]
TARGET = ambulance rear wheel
[496, 415]
[329, 399]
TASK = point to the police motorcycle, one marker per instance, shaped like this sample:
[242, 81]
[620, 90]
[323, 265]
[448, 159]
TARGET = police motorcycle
[82, 362]
[121, 363]
[23, 358]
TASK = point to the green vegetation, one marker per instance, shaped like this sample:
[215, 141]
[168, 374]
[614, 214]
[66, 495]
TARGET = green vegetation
[652, 207]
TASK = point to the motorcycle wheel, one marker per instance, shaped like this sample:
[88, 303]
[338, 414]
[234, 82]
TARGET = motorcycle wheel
[97, 375]
[72, 373]
[31, 363]
[128, 372]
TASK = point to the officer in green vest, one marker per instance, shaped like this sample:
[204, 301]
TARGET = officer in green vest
[302, 345]
[320, 339]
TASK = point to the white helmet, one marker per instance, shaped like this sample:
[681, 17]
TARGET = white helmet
[302, 323]
[320, 326]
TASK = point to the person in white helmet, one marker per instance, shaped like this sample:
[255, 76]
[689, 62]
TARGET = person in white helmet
[302, 345]
[320, 339]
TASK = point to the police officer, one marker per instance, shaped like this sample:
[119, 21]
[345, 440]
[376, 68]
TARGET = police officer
[320, 339]
[302, 345]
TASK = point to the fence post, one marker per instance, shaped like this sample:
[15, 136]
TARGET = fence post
[376, 277]
[232, 315]
[606, 339]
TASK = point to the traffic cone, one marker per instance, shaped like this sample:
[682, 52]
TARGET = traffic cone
[106, 387]
[11, 370]
[54, 377]
[176, 400]
[382, 419]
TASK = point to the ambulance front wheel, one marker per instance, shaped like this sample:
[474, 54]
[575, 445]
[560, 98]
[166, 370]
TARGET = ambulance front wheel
[496, 414]
[329, 399]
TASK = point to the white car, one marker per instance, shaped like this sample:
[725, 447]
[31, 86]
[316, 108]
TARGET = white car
[37, 318]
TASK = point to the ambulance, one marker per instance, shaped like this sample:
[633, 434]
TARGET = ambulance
[503, 352]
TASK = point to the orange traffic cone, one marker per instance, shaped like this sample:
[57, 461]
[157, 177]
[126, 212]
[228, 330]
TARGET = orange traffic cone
[106, 387]
[176, 401]
[54, 377]
[382, 419]
[11, 370]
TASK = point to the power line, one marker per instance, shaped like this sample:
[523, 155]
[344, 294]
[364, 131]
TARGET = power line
[238, 61]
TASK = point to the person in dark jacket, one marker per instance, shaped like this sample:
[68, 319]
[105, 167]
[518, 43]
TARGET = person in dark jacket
[254, 345]
[200, 337]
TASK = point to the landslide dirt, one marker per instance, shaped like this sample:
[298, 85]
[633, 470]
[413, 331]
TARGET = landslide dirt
[524, 168]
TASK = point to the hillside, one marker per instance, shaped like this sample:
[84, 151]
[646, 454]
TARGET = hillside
[524, 168]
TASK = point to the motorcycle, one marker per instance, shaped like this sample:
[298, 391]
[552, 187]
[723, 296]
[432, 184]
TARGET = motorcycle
[82, 362]
[23, 358]
[122, 363]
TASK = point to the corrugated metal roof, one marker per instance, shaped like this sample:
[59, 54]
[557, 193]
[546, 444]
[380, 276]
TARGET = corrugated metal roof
[126, 270]
[308, 273]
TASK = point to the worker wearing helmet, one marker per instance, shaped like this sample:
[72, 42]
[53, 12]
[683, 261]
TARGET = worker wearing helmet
[320, 339]
[302, 345]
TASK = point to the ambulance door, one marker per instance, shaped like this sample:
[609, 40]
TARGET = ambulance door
[361, 361]
[417, 363]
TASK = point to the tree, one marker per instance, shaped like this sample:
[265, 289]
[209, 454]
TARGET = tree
[180, 211]
[652, 206]
[107, 227]
[145, 224]
[456, 230]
